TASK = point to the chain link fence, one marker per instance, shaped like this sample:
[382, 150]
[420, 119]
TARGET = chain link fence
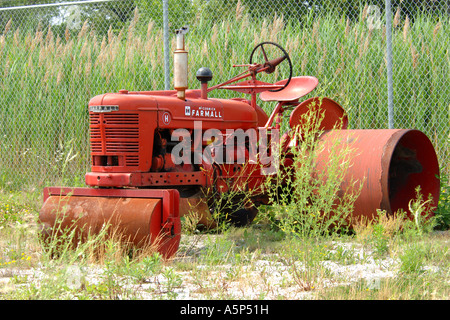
[55, 56]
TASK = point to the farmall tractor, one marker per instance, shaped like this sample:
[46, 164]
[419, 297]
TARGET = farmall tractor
[157, 156]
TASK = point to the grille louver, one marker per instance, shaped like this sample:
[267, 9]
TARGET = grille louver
[114, 134]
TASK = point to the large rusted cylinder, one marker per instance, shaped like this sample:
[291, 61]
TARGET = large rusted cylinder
[391, 163]
[137, 221]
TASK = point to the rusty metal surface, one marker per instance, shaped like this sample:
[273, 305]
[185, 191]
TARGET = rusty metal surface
[143, 179]
[334, 116]
[391, 163]
[134, 220]
[198, 209]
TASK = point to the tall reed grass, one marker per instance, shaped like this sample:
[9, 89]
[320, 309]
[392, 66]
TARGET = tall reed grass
[47, 80]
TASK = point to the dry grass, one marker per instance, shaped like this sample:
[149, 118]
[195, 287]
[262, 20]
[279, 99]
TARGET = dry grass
[249, 263]
[56, 75]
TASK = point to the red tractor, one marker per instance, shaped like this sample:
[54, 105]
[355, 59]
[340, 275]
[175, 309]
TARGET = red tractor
[159, 155]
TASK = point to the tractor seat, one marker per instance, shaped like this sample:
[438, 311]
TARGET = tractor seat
[297, 88]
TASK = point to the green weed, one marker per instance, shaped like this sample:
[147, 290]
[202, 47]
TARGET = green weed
[307, 202]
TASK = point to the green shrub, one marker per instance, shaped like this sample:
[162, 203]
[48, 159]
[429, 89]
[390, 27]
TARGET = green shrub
[308, 203]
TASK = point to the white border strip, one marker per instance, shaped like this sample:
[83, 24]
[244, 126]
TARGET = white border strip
[45, 5]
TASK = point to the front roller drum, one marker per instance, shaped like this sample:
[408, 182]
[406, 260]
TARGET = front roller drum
[140, 222]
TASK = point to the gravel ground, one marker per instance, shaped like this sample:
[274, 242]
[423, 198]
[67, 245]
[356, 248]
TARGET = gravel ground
[263, 277]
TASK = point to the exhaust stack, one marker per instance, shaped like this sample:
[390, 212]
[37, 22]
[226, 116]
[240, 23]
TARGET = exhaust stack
[181, 64]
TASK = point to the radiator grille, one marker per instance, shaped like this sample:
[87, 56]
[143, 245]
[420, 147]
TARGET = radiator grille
[121, 118]
[115, 134]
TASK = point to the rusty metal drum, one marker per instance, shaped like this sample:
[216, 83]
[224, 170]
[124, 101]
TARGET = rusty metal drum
[391, 163]
[143, 222]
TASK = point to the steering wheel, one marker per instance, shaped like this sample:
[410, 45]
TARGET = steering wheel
[269, 66]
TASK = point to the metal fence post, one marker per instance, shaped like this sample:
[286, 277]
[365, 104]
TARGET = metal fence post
[166, 44]
[389, 64]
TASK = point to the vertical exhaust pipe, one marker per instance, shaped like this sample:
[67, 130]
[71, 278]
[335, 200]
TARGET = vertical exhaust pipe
[181, 64]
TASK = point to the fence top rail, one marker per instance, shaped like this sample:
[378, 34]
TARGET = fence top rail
[60, 4]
